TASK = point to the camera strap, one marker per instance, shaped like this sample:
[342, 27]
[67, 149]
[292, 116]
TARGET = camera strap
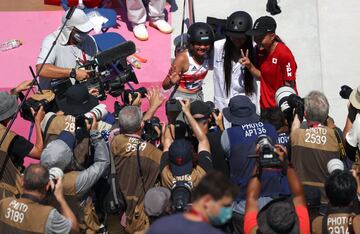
[342, 151]
[174, 91]
[113, 178]
[31, 197]
[139, 165]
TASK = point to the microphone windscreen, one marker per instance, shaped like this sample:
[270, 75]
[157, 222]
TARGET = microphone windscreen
[120, 51]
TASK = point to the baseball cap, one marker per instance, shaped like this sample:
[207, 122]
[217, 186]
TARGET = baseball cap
[355, 98]
[181, 156]
[59, 152]
[78, 20]
[240, 110]
[155, 201]
[8, 105]
[200, 109]
[263, 25]
[278, 216]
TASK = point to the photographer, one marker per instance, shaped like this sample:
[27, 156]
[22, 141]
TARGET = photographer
[341, 189]
[211, 205]
[278, 216]
[137, 168]
[239, 143]
[16, 147]
[74, 108]
[206, 118]
[78, 184]
[73, 49]
[179, 161]
[29, 213]
[313, 146]
[351, 129]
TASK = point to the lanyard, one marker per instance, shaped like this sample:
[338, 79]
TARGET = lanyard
[199, 215]
[84, 57]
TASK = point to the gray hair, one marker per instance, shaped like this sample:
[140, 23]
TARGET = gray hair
[130, 118]
[316, 107]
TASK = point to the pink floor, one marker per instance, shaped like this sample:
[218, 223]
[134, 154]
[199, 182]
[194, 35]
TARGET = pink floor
[31, 27]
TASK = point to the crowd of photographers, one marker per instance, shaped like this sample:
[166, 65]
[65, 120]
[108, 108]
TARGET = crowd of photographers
[288, 169]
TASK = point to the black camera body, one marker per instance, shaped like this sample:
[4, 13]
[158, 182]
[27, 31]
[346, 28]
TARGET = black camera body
[180, 196]
[133, 93]
[173, 106]
[267, 156]
[150, 134]
[345, 91]
[297, 103]
[45, 99]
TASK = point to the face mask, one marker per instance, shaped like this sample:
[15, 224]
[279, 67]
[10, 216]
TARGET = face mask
[79, 37]
[224, 215]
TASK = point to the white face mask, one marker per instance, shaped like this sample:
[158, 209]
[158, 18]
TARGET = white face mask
[79, 36]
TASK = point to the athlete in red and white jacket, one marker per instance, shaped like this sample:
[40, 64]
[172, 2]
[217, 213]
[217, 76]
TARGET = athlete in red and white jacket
[191, 66]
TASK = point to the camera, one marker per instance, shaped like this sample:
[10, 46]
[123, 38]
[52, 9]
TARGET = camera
[110, 72]
[267, 156]
[150, 133]
[173, 106]
[99, 112]
[213, 110]
[59, 86]
[46, 99]
[288, 101]
[180, 196]
[55, 172]
[142, 91]
[345, 91]
[297, 103]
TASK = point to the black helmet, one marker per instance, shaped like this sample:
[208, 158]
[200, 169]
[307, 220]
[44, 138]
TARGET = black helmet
[238, 23]
[200, 32]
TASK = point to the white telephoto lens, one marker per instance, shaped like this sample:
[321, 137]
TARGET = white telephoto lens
[335, 164]
[55, 172]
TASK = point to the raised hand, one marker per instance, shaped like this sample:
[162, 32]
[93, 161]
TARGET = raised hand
[155, 98]
[173, 75]
[244, 58]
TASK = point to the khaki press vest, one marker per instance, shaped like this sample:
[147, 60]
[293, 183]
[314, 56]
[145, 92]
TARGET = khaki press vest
[67, 122]
[23, 216]
[86, 214]
[10, 181]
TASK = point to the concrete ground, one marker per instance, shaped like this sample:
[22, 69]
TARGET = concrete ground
[322, 35]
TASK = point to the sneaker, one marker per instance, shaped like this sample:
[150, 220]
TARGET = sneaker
[162, 26]
[140, 32]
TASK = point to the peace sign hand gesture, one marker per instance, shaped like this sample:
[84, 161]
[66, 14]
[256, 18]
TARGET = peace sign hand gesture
[244, 59]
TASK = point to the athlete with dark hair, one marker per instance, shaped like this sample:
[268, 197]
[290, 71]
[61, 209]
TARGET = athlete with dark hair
[191, 66]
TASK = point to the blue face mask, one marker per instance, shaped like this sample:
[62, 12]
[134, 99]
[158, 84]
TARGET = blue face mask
[224, 215]
[79, 37]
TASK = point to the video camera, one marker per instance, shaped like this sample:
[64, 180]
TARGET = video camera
[267, 156]
[110, 73]
[180, 196]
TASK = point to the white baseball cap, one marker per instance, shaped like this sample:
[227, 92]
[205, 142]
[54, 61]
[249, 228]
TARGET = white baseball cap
[78, 20]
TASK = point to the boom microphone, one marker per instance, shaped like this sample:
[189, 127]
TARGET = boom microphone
[70, 12]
